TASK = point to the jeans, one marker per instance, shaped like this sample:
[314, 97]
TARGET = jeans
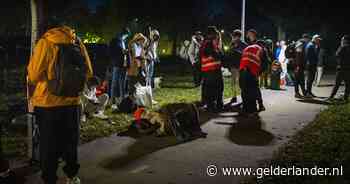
[150, 73]
[311, 72]
[59, 137]
[118, 86]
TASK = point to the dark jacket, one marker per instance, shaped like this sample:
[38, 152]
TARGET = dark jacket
[300, 59]
[321, 57]
[312, 54]
[234, 56]
[117, 53]
[343, 56]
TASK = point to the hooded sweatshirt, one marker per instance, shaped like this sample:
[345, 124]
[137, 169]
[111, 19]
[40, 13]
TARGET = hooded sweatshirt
[40, 68]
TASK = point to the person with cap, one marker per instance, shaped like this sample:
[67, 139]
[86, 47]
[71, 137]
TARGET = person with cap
[193, 53]
[237, 47]
[136, 69]
[252, 36]
[312, 52]
[343, 68]
[210, 57]
[300, 63]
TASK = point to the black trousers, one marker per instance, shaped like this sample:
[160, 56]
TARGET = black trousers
[250, 91]
[299, 82]
[213, 89]
[59, 137]
[196, 70]
[311, 73]
[340, 77]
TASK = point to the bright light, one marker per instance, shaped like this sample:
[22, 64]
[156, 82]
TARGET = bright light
[226, 48]
[163, 51]
[222, 31]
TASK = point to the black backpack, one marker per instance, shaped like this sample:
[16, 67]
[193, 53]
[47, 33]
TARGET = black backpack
[70, 72]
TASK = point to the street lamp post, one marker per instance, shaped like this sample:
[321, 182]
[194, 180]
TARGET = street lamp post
[243, 20]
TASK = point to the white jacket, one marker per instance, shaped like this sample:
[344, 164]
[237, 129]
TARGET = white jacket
[193, 50]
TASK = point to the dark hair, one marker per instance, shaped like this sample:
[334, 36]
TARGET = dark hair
[305, 35]
[237, 33]
[211, 30]
[253, 31]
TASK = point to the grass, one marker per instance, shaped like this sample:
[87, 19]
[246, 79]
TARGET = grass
[325, 142]
[176, 87]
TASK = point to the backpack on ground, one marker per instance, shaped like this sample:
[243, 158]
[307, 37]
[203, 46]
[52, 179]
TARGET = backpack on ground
[69, 72]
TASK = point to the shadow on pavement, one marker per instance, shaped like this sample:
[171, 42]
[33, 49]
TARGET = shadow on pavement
[315, 101]
[145, 145]
[248, 131]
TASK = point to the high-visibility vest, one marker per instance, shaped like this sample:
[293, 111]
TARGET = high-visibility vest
[251, 59]
[209, 63]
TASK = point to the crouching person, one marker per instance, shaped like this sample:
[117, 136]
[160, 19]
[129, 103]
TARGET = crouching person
[94, 100]
[58, 68]
[252, 63]
[213, 84]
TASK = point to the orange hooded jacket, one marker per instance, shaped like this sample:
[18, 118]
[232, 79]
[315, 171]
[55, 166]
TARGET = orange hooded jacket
[40, 67]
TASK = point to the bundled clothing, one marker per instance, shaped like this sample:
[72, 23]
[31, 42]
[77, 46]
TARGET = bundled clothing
[343, 70]
[213, 84]
[58, 117]
[95, 100]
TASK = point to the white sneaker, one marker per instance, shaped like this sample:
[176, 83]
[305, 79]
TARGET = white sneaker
[154, 102]
[83, 118]
[74, 180]
[100, 115]
[114, 107]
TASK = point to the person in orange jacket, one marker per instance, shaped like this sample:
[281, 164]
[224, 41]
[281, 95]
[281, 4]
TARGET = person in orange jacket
[58, 117]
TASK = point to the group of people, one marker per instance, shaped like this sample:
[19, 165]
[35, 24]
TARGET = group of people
[246, 62]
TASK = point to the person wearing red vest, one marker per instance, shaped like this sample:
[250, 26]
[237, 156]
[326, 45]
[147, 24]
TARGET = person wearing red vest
[252, 63]
[210, 57]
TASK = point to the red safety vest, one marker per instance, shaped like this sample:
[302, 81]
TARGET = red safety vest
[251, 59]
[209, 63]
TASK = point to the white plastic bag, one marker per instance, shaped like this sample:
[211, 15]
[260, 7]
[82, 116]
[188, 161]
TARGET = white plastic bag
[143, 95]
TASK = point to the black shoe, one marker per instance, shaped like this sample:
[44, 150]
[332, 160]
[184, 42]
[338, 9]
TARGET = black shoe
[298, 95]
[233, 100]
[261, 108]
[313, 96]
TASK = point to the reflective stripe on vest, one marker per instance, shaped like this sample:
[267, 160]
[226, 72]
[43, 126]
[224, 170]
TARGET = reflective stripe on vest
[209, 64]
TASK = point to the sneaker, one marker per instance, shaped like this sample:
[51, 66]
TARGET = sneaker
[261, 108]
[83, 118]
[114, 107]
[154, 102]
[233, 100]
[74, 180]
[298, 95]
[100, 115]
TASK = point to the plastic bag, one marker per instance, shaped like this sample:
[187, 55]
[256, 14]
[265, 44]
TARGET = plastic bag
[143, 95]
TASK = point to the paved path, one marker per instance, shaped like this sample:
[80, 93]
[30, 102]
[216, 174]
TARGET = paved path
[231, 141]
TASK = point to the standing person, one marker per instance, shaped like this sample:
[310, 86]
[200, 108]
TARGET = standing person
[213, 84]
[136, 68]
[343, 68]
[284, 63]
[193, 54]
[251, 65]
[277, 50]
[300, 63]
[152, 55]
[320, 65]
[312, 52]
[57, 110]
[237, 47]
[118, 49]
[252, 36]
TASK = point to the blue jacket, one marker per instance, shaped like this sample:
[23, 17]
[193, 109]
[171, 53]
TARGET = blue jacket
[312, 53]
